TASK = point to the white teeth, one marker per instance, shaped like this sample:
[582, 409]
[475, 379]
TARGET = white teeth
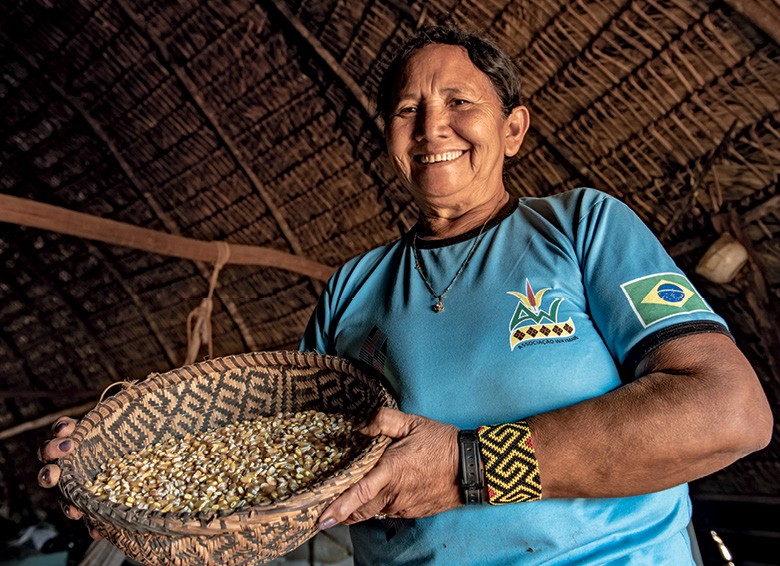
[436, 158]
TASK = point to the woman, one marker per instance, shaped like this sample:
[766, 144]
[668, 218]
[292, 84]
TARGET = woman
[526, 313]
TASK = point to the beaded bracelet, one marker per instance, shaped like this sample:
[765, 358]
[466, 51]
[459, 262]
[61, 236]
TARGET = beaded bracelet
[511, 469]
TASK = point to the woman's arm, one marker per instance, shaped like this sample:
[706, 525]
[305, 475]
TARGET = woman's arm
[696, 407]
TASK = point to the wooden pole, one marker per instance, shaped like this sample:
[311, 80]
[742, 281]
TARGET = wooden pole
[76, 411]
[27, 212]
[56, 219]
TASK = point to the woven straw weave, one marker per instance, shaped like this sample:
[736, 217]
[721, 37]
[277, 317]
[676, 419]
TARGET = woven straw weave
[204, 396]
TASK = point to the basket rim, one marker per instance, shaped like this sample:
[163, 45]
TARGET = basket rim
[202, 523]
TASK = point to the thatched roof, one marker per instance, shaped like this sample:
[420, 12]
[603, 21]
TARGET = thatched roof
[250, 122]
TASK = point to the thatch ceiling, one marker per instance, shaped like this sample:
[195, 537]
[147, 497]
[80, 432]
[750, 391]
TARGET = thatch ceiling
[249, 122]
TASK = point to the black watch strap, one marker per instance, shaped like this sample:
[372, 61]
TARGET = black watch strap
[471, 478]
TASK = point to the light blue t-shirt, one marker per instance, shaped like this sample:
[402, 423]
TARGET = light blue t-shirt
[559, 295]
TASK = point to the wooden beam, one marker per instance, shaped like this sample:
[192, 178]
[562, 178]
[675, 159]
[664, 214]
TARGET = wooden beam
[169, 224]
[764, 15]
[48, 217]
[76, 105]
[40, 422]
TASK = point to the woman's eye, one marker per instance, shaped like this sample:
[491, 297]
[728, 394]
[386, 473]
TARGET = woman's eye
[459, 102]
[407, 110]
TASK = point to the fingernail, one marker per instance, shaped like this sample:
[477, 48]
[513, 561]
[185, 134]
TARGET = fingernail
[328, 523]
[45, 475]
[59, 426]
[64, 446]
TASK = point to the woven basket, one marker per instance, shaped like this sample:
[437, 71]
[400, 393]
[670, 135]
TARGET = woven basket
[204, 396]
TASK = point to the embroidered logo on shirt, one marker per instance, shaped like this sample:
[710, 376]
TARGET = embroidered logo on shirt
[532, 324]
[662, 295]
[373, 352]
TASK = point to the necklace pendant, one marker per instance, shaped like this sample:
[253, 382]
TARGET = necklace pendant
[438, 307]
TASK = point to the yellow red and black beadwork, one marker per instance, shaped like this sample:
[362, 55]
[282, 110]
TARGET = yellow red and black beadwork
[511, 468]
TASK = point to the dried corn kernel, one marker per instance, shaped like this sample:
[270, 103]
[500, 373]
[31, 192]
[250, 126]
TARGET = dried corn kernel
[244, 463]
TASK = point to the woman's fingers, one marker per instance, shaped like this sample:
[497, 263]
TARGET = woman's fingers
[95, 534]
[364, 500]
[54, 448]
[70, 511]
[60, 445]
[51, 450]
[359, 502]
[390, 422]
[63, 426]
[415, 477]
[49, 475]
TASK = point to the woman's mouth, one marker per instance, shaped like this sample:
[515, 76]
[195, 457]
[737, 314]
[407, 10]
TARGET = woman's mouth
[438, 157]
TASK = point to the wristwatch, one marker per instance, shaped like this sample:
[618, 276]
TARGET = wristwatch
[472, 482]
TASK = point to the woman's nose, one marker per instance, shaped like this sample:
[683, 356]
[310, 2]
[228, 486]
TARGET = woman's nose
[431, 123]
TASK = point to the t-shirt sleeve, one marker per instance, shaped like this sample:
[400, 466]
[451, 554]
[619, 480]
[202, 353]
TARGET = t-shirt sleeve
[637, 296]
[316, 335]
[321, 330]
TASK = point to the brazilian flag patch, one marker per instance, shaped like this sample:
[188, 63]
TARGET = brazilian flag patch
[662, 295]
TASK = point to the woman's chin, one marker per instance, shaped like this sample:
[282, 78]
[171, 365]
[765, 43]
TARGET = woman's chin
[433, 187]
[454, 195]
[433, 196]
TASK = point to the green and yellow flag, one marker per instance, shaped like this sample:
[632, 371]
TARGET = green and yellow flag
[659, 296]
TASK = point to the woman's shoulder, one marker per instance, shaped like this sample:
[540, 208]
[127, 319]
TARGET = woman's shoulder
[578, 200]
[569, 212]
[568, 206]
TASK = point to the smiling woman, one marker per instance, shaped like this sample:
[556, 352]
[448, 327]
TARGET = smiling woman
[448, 136]
[538, 334]
[555, 394]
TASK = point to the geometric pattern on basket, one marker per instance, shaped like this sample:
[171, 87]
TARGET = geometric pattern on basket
[511, 468]
[252, 547]
[207, 395]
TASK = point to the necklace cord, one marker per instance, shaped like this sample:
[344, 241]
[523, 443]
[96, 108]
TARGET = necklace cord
[439, 306]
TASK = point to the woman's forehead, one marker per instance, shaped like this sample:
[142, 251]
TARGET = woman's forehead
[448, 67]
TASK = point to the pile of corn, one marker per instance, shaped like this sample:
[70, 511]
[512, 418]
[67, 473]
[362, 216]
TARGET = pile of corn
[244, 463]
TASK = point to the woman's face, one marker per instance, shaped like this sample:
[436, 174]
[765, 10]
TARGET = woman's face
[447, 135]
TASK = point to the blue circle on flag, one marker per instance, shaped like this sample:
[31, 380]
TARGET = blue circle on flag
[671, 293]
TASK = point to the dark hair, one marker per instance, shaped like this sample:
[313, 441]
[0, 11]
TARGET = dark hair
[486, 56]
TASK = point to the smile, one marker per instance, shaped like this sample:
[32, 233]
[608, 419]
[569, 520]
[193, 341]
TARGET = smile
[439, 157]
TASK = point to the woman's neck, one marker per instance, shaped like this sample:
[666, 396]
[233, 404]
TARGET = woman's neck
[440, 223]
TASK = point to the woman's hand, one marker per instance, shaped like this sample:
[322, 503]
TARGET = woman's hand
[417, 476]
[49, 474]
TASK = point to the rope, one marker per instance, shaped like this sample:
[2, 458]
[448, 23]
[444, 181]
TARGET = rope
[199, 319]
[122, 384]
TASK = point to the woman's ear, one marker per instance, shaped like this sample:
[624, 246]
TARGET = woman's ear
[516, 125]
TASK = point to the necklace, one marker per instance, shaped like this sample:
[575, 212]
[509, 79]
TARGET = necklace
[439, 306]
